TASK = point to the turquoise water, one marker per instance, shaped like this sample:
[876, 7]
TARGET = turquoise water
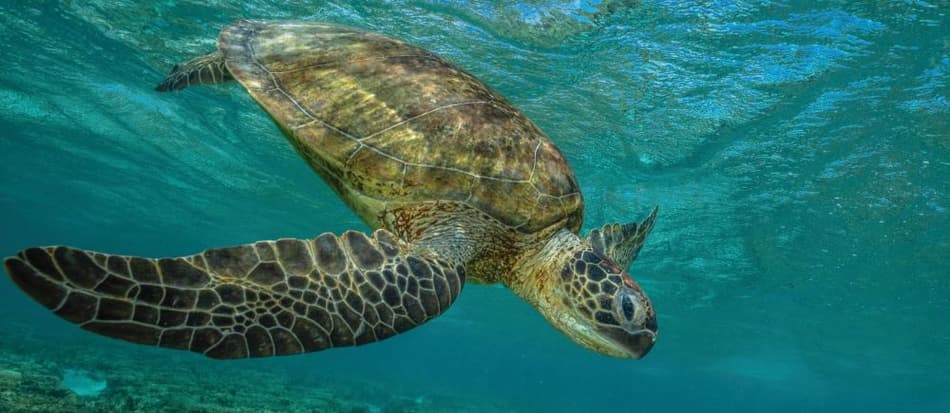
[799, 153]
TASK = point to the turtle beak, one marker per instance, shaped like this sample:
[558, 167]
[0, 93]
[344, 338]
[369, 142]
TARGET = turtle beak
[631, 345]
[632, 341]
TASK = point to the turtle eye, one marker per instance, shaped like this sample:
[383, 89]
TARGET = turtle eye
[627, 304]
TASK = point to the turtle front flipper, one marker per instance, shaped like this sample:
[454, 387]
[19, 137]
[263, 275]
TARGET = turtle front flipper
[209, 68]
[266, 298]
[622, 242]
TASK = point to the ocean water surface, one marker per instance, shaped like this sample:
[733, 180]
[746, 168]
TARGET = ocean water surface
[799, 152]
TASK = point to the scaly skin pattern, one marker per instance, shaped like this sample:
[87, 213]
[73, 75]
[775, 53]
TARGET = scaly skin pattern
[207, 69]
[588, 297]
[267, 298]
[457, 182]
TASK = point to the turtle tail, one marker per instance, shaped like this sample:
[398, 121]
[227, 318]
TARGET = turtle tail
[206, 69]
[261, 299]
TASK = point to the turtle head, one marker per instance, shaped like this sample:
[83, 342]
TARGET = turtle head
[606, 309]
[594, 301]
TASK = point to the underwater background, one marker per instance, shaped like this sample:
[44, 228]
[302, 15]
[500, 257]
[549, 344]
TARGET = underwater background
[799, 152]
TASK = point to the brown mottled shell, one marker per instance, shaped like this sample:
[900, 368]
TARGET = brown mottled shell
[387, 123]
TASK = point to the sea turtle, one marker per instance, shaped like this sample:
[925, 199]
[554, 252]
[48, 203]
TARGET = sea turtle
[458, 184]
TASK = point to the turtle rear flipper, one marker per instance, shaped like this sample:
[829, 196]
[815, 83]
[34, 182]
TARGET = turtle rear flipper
[209, 68]
[622, 242]
[266, 298]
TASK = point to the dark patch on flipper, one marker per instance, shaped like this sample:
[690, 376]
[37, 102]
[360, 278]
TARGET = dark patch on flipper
[299, 296]
[207, 69]
[622, 243]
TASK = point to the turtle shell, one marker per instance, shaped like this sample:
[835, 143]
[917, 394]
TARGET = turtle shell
[386, 123]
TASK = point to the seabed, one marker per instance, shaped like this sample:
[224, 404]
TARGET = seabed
[143, 379]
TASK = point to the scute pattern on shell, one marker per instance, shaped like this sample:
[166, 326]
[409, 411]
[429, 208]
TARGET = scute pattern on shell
[384, 120]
